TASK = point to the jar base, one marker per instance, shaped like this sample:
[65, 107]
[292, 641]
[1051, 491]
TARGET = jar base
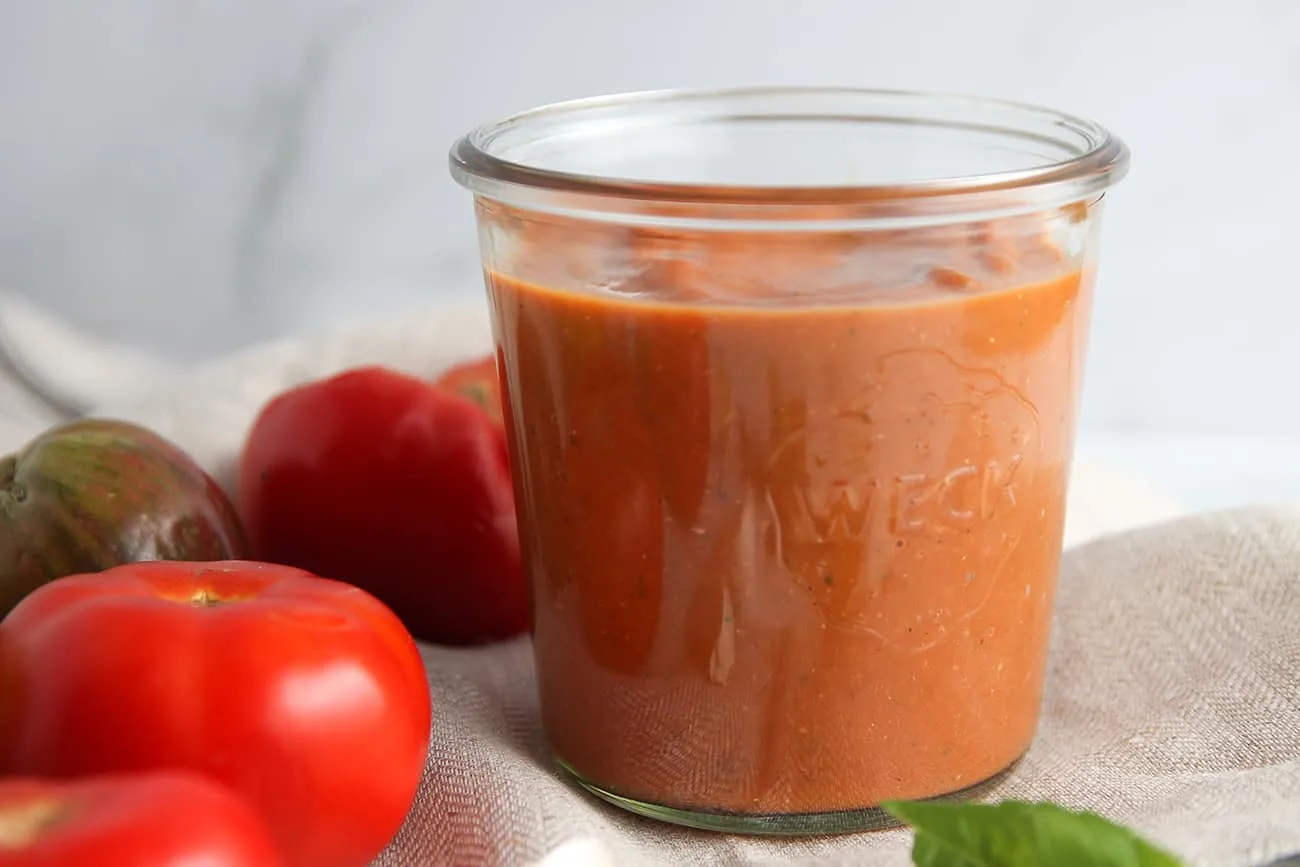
[776, 824]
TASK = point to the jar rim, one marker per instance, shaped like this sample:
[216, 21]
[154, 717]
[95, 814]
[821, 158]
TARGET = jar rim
[1093, 160]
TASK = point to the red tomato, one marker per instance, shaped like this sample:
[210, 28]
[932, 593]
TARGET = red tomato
[477, 380]
[159, 819]
[385, 481]
[302, 694]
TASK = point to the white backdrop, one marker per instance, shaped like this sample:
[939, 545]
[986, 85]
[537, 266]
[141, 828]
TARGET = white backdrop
[197, 175]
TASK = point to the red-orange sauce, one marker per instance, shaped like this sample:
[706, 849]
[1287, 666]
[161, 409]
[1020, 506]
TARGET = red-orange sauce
[792, 552]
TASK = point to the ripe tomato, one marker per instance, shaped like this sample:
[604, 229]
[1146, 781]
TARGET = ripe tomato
[304, 695]
[158, 819]
[402, 488]
[477, 380]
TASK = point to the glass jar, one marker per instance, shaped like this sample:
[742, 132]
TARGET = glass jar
[791, 378]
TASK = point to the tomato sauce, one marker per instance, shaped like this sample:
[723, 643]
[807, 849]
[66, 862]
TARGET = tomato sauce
[792, 531]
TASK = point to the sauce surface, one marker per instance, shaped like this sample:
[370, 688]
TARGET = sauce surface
[792, 547]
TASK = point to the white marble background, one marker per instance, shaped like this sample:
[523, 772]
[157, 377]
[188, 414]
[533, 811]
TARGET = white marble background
[197, 175]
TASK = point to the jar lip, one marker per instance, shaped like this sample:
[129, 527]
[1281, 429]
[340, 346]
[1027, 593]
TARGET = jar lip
[1098, 162]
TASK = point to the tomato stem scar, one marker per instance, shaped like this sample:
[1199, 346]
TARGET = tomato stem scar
[9, 478]
[205, 598]
[22, 823]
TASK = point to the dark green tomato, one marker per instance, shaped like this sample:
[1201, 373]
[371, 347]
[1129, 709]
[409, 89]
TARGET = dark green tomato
[93, 494]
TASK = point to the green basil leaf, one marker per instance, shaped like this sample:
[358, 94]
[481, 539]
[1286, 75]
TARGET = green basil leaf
[1021, 834]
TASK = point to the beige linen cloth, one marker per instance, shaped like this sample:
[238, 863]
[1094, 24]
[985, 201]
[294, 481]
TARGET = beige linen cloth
[1173, 695]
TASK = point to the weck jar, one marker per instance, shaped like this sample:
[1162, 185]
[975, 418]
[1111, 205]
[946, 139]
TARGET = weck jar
[791, 379]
